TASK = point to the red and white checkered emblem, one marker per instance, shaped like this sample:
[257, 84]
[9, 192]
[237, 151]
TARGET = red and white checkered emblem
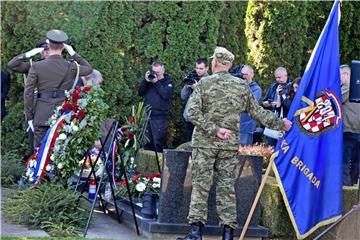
[324, 114]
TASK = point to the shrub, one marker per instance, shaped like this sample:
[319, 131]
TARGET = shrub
[50, 207]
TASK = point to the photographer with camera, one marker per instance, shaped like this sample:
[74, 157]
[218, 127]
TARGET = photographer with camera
[190, 82]
[157, 89]
[282, 87]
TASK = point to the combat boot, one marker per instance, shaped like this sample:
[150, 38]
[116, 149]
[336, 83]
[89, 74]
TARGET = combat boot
[195, 232]
[228, 233]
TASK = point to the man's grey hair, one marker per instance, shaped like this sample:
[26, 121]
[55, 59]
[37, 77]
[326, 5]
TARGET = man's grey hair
[281, 69]
[250, 68]
[345, 67]
[95, 76]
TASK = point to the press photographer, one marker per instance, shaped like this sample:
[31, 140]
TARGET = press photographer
[157, 89]
[190, 82]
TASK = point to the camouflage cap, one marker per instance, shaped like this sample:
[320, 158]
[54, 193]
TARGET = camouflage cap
[223, 55]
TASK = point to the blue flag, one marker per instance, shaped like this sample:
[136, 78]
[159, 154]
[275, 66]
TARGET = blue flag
[308, 158]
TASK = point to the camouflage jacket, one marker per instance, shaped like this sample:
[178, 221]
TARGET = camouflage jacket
[216, 103]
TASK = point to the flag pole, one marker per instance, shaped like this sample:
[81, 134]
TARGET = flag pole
[263, 181]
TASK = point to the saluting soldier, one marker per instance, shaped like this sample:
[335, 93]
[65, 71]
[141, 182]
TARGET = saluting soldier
[51, 77]
[21, 64]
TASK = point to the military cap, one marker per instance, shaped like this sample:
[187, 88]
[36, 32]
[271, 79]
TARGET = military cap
[57, 36]
[223, 55]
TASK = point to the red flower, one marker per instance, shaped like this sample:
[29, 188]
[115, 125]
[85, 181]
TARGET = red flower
[136, 177]
[73, 117]
[87, 88]
[75, 107]
[130, 136]
[123, 182]
[154, 175]
[66, 106]
[133, 120]
[123, 129]
[81, 114]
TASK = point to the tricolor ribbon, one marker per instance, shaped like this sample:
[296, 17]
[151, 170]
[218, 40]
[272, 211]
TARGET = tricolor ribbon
[46, 147]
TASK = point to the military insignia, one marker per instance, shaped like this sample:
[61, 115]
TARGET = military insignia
[320, 115]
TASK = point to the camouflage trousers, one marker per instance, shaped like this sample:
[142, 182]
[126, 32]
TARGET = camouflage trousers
[207, 163]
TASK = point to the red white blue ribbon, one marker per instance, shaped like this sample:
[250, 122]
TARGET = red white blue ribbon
[47, 145]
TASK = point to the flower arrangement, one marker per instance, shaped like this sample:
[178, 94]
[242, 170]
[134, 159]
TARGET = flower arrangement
[258, 150]
[131, 134]
[75, 126]
[140, 184]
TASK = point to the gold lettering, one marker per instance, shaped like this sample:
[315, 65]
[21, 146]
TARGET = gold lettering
[309, 176]
[283, 142]
[303, 168]
[285, 149]
[294, 160]
[299, 164]
[314, 179]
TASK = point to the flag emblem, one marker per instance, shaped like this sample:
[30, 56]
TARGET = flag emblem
[321, 115]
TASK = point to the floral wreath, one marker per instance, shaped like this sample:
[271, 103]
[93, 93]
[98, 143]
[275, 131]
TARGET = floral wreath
[74, 127]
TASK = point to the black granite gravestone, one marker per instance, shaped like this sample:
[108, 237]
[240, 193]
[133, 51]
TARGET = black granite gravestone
[176, 188]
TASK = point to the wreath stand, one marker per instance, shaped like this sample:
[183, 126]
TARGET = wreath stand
[111, 137]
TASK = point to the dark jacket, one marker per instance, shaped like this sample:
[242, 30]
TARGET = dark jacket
[158, 96]
[46, 76]
[20, 64]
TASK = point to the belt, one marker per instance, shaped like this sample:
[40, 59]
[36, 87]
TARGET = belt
[54, 94]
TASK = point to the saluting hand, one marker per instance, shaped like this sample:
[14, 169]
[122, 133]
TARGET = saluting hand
[69, 49]
[224, 133]
[33, 52]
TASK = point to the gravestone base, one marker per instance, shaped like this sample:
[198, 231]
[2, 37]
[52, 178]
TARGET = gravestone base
[152, 228]
[175, 192]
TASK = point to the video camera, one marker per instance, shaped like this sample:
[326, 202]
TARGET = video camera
[191, 78]
[236, 71]
[152, 75]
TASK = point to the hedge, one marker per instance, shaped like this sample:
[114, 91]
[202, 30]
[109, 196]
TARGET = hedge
[121, 39]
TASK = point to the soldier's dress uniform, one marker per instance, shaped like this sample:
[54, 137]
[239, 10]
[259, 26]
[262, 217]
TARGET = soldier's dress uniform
[216, 103]
[51, 77]
[22, 64]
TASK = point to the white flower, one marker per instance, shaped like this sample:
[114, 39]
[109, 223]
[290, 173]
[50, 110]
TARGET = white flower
[62, 136]
[52, 157]
[132, 160]
[48, 168]
[60, 165]
[32, 163]
[156, 180]
[58, 108]
[75, 128]
[57, 148]
[156, 185]
[54, 116]
[140, 187]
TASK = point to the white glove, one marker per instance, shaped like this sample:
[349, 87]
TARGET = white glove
[33, 52]
[69, 49]
[31, 125]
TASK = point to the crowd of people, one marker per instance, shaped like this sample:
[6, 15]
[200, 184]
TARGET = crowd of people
[221, 112]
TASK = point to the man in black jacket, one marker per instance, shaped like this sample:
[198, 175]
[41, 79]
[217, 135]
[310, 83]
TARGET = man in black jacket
[157, 89]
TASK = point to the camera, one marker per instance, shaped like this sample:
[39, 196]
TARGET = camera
[152, 75]
[191, 78]
[236, 71]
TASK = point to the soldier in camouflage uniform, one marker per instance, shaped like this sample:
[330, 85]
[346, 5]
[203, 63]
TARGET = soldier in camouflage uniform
[214, 109]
